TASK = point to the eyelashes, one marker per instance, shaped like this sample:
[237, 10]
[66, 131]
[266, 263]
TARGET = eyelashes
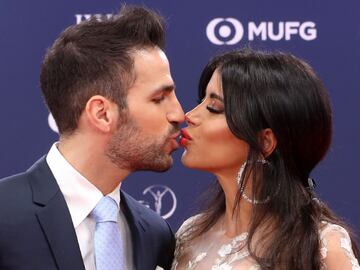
[212, 105]
[158, 100]
[212, 110]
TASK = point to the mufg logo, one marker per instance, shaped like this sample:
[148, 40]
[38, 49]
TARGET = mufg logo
[161, 199]
[230, 31]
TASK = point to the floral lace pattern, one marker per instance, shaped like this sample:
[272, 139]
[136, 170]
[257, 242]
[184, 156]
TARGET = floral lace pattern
[228, 255]
[332, 234]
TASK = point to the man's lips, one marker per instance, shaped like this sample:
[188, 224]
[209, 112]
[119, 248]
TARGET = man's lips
[173, 140]
[185, 137]
[175, 135]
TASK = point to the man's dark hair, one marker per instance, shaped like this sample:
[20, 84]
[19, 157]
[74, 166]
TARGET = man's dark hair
[95, 58]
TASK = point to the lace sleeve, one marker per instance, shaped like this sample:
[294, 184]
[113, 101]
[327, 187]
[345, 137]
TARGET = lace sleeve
[182, 232]
[336, 250]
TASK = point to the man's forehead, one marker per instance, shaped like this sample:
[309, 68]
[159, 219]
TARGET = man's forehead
[151, 70]
[148, 53]
[150, 61]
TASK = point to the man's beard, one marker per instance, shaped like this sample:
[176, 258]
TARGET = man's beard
[130, 149]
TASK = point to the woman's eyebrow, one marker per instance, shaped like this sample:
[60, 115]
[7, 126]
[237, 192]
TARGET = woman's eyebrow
[216, 96]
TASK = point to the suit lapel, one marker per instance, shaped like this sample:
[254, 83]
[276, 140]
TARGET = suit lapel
[138, 227]
[54, 218]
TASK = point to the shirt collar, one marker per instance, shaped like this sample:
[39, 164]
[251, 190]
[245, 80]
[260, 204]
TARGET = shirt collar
[80, 195]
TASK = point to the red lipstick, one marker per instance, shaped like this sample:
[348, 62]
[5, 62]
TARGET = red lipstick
[185, 137]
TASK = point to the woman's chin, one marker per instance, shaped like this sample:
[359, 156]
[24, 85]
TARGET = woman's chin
[190, 162]
[187, 161]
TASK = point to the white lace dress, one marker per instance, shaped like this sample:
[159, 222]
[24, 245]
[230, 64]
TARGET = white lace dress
[216, 251]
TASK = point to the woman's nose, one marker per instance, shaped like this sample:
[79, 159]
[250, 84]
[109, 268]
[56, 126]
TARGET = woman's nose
[192, 117]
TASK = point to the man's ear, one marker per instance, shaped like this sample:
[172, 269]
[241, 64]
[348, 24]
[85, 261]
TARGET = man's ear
[101, 113]
[268, 141]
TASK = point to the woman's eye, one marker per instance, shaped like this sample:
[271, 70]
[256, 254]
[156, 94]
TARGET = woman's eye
[213, 110]
[215, 106]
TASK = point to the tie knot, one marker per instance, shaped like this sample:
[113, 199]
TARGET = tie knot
[106, 210]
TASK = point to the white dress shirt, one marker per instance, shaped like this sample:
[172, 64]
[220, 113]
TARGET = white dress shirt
[81, 198]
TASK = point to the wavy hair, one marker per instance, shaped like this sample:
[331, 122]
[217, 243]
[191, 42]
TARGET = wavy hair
[283, 93]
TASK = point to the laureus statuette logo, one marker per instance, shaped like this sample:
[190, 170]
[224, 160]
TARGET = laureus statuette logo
[164, 200]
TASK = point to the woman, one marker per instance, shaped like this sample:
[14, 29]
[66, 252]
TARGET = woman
[263, 124]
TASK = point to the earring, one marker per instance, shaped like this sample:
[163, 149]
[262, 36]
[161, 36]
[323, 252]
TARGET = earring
[242, 192]
[263, 161]
[240, 172]
[311, 187]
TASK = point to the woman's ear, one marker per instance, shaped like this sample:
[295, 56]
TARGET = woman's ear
[101, 113]
[268, 141]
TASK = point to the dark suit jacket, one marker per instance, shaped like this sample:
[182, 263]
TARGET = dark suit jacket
[36, 230]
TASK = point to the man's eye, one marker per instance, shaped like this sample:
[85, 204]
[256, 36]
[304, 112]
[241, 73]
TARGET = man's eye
[158, 99]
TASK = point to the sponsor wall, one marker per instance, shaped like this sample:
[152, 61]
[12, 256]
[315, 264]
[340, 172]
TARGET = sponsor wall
[325, 34]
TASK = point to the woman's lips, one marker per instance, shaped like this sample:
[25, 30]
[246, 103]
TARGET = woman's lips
[185, 138]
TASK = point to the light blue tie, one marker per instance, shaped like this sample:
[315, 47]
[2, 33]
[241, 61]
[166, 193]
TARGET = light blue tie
[109, 253]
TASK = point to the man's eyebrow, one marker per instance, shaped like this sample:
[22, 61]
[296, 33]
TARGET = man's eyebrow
[216, 96]
[165, 88]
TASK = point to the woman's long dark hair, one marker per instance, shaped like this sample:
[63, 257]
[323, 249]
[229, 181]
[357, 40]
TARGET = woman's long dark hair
[280, 92]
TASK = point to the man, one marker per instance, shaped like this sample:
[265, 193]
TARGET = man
[108, 86]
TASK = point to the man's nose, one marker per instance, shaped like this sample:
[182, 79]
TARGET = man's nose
[176, 114]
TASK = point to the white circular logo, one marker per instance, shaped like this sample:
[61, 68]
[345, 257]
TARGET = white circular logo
[227, 31]
[164, 200]
[52, 123]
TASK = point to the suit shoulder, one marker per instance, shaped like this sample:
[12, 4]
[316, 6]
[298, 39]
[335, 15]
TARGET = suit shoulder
[18, 185]
[15, 196]
[13, 181]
